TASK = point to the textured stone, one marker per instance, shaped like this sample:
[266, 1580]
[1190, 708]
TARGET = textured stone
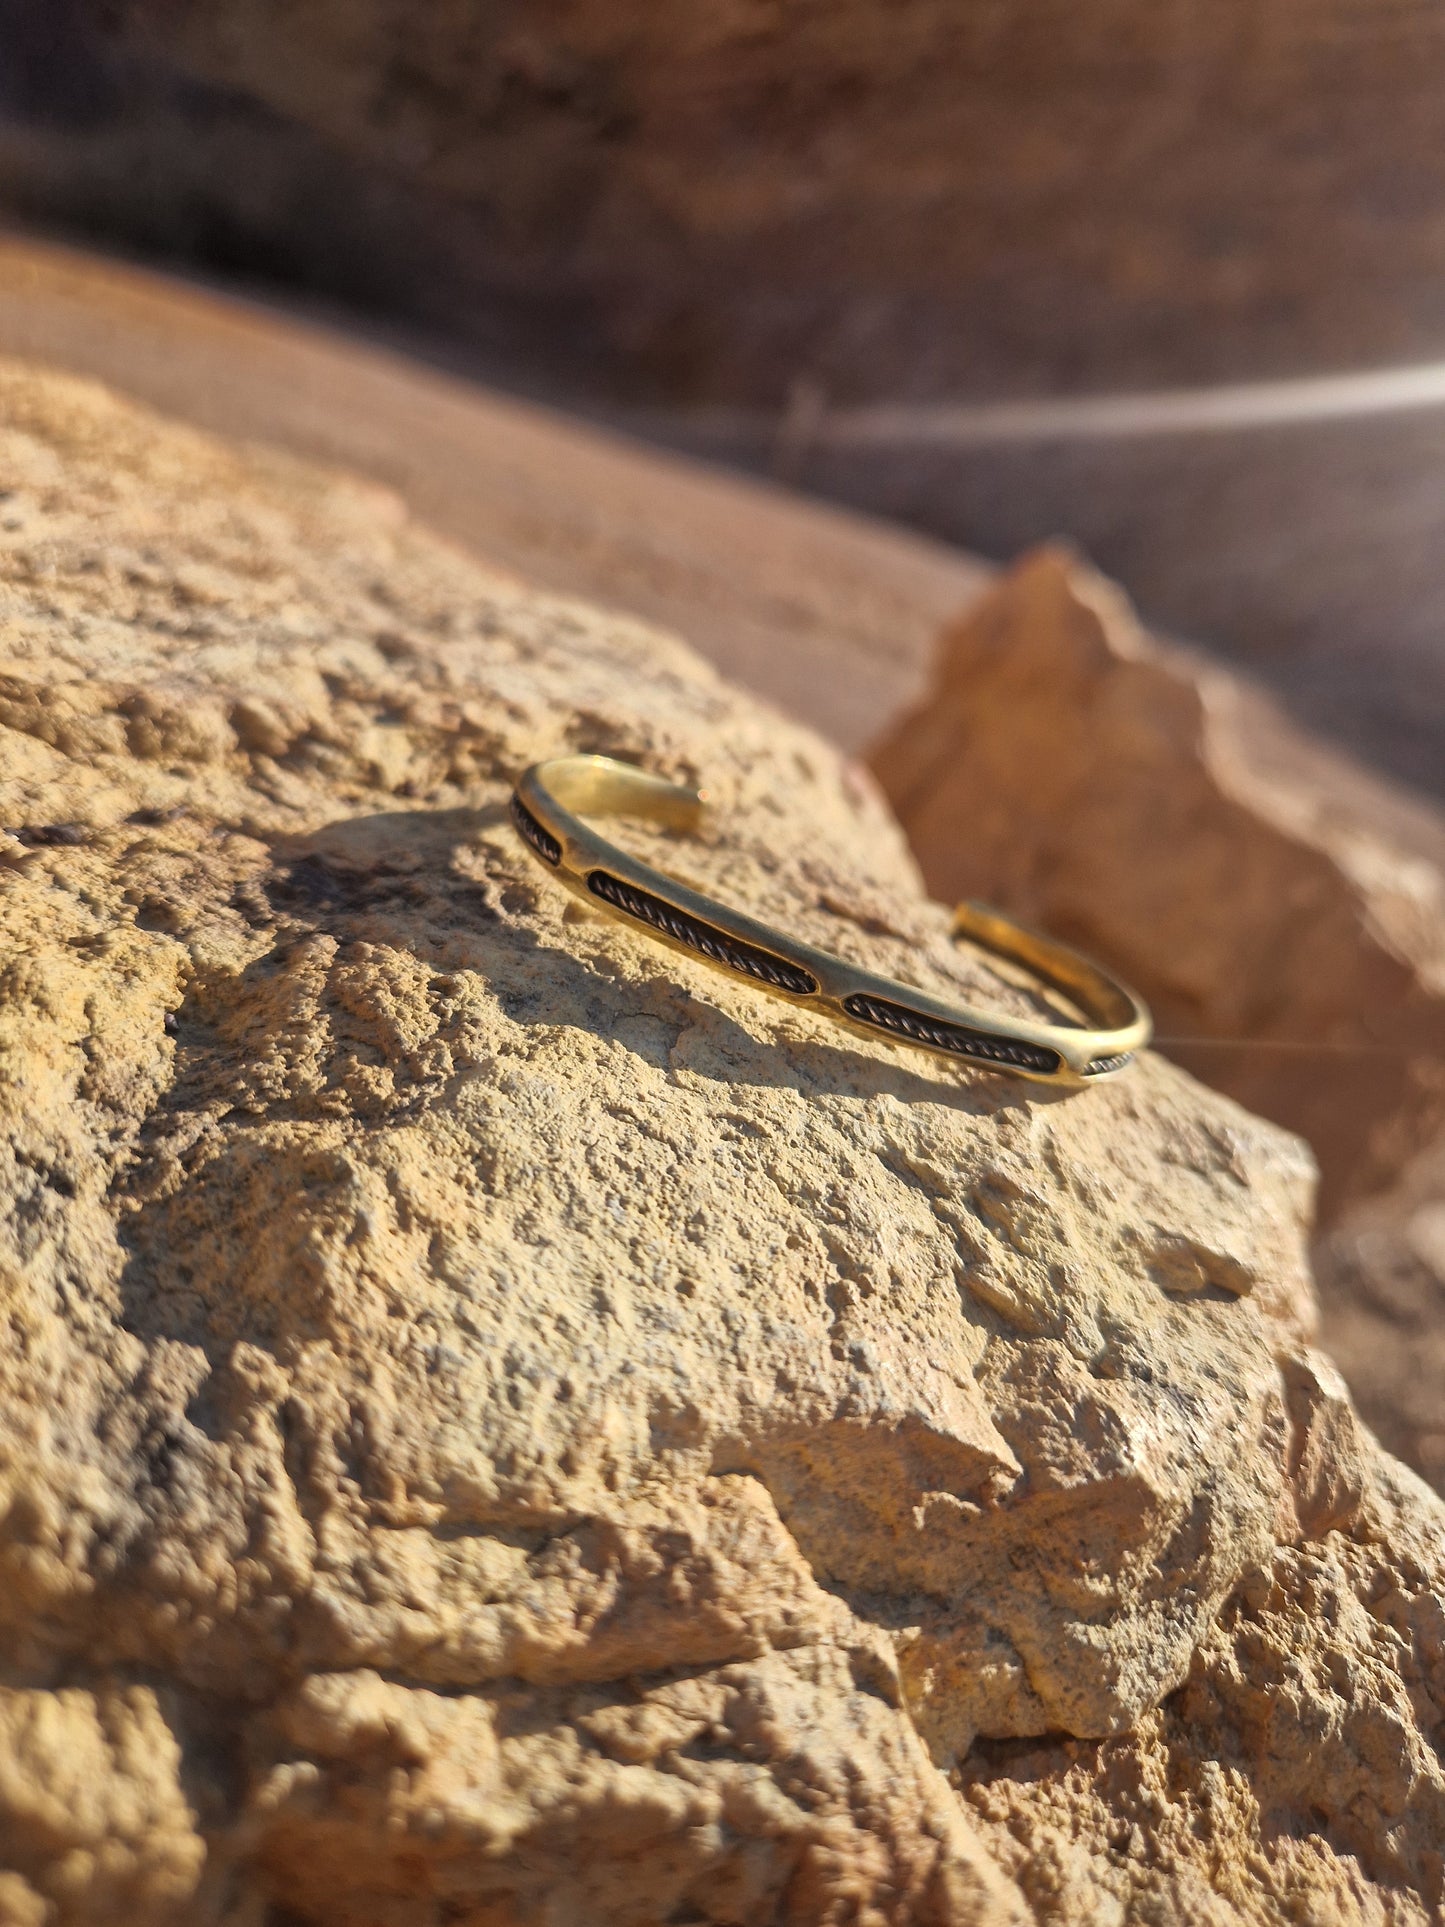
[1296, 930]
[503, 1424]
[1328, 1640]
[1382, 1288]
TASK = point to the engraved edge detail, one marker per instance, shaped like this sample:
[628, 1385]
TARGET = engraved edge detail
[716, 945]
[1100, 1066]
[531, 832]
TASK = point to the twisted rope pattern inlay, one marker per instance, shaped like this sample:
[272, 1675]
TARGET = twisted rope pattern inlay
[1100, 1066]
[531, 831]
[549, 809]
[902, 1022]
[714, 944]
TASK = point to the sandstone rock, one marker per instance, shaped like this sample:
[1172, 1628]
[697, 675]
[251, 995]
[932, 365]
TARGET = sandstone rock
[1275, 904]
[1382, 1286]
[502, 1425]
[1260, 891]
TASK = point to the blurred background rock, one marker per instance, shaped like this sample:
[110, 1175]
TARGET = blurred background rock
[1169, 281]
[779, 213]
[1016, 197]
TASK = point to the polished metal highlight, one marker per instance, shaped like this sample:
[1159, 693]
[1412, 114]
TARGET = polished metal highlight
[549, 803]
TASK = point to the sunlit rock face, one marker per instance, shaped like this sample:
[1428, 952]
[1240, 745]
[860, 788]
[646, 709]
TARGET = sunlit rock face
[502, 1423]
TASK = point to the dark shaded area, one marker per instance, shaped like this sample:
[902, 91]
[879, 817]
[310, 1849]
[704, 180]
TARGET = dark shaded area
[55, 68]
[105, 139]
[722, 200]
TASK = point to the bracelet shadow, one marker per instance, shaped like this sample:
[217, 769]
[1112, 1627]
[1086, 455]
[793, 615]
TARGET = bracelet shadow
[345, 881]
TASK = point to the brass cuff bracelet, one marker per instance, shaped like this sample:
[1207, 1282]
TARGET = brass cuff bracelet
[543, 806]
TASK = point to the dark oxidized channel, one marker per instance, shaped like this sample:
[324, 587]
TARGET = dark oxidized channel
[958, 1039]
[709, 942]
[531, 832]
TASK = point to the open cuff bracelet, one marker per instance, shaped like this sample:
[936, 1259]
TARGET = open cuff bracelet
[549, 803]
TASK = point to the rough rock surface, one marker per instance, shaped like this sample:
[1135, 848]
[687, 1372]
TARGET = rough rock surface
[1381, 1275]
[1296, 929]
[500, 1424]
